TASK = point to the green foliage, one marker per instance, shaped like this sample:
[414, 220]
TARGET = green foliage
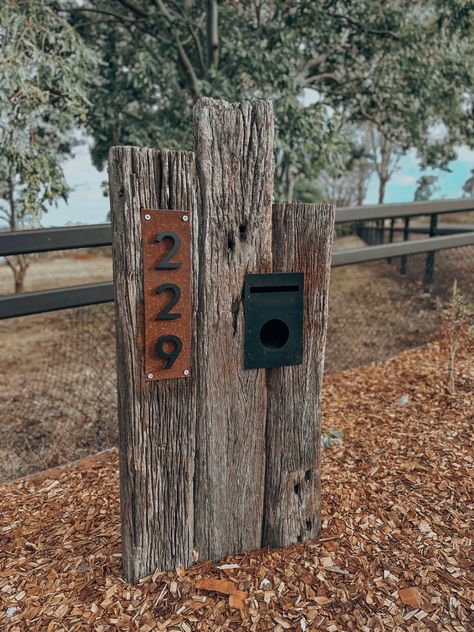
[426, 188]
[44, 69]
[468, 186]
[308, 190]
[404, 66]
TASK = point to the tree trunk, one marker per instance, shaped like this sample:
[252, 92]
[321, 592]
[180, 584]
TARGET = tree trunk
[382, 186]
[212, 33]
[234, 156]
[19, 266]
[302, 237]
[289, 183]
[156, 419]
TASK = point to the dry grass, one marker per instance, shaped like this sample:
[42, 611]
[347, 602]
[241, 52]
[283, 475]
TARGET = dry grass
[393, 553]
[46, 272]
[57, 375]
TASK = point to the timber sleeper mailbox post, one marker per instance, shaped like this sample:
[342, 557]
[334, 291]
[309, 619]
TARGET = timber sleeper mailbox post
[221, 302]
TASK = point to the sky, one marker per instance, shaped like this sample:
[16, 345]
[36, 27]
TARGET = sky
[87, 205]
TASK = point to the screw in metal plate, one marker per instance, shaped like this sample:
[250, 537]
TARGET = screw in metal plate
[186, 372]
[150, 376]
[147, 216]
[185, 218]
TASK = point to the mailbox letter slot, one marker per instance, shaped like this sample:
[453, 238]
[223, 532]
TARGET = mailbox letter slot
[273, 319]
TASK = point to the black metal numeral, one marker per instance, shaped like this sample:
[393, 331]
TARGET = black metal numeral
[170, 357]
[176, 295]
[165, 263]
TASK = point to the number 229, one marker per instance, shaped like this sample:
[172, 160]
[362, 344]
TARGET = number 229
[167, 264]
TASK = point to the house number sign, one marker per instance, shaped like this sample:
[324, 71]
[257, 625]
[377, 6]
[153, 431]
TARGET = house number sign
[167, 293]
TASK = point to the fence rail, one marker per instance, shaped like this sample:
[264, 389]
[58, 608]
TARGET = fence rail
[74, 237]
[51, 239]
[413, 209]
[373, 253]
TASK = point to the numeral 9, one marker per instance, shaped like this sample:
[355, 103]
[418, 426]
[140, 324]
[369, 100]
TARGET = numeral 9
[171, 356]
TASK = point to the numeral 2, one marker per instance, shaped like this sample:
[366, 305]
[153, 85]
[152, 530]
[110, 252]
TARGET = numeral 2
[171, 356]
[176, 295]
[165, 263]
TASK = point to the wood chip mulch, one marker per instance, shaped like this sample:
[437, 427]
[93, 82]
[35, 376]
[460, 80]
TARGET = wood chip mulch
[393, 553]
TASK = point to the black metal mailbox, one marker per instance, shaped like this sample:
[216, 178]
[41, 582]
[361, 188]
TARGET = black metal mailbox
[273, 319]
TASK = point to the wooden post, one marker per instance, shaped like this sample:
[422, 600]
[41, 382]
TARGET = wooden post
[302, 238]
[228, 459]
[406, 235]
[391, 235]
[234, 158]
[156, 419]
[430, 257]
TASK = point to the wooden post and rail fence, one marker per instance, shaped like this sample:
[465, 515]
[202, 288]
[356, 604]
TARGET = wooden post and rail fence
[42, 240]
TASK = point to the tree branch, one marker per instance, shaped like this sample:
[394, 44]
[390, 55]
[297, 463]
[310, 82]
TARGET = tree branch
[192, 26]
[183, 57]
[134, 8]
[116, 16]
[212, 34]
[355, 22]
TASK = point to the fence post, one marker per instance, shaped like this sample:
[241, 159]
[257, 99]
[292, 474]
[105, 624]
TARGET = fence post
[406, 235]
[380, 230]
[391, 235]
[430, 257]
[202, 460]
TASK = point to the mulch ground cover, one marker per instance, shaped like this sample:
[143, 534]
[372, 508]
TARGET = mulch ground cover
[393, 553]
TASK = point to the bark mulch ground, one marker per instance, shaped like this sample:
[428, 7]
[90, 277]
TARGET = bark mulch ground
[393, 553]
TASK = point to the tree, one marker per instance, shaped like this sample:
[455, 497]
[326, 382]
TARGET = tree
[401, 66]
[44, 69]
[426, 188]
[468, 186]
[346, 188]
[385, 158]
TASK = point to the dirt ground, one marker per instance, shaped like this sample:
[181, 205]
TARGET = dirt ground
[57, 371]
[394, 552]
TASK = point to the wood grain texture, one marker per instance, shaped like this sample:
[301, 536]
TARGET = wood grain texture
[156, 419]
[302, 238]
[234, 151]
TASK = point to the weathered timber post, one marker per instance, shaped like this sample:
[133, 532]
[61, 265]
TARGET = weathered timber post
[234, 151]
[224, 457]
[156, 419]
[302, 238]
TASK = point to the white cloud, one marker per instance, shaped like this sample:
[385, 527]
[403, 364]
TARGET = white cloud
[465, 154]
[404, 180]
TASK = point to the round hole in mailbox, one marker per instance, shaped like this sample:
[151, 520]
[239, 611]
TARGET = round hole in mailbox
[274, 334]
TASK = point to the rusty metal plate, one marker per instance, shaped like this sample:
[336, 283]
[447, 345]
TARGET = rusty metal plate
[167, 293]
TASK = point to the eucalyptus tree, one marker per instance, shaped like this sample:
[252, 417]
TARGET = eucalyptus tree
[44, 67]
[403, 66]
[468, 186]
[426, 188]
